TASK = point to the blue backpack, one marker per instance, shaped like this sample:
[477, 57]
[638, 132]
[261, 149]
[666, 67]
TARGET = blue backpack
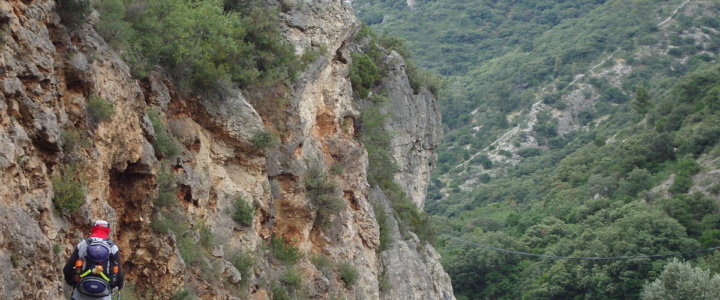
[95, 269]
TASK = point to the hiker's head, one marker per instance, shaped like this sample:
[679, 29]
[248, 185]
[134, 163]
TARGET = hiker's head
[101, 229]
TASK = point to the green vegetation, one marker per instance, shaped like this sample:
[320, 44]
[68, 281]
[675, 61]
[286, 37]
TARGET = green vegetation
[680, 280]
[244, 263]
[381, 171]
[364, 74]
[98, 110]
[184, 294]
[323, 194]
[73, 141]
[366, 70]
[244, 212]
[73, 12]
[281, 250]
[264, 139]
[291, 279]
[597, 191]
[164, 144]
[385, 235]
[348, 273]
[166, 189]
[57, 248]
[322, 263]
[69, 191]
[204, 45]
[15, 260]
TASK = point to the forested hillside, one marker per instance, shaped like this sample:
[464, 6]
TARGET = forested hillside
[573, 128]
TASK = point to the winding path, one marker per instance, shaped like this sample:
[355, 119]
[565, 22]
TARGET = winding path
[673, 14]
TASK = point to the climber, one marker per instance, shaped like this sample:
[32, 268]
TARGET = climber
[93, 269]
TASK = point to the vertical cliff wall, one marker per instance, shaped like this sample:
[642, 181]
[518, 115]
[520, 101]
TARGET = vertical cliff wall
[50, 136]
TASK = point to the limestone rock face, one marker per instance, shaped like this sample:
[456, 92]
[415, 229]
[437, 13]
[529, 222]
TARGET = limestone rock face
[48, 138]
[416, 130]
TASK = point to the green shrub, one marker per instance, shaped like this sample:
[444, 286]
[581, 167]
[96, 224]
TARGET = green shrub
[69, 192]
[166, 189]
[283, 252]
[164, 144]
[679, 280]
[98, 110]
[112, 25]
[386, 237]
[57, 248]
[291, 279]
[204, 45]
[244, 263]
[207, 240]
[263, 139]
[688, 167]
[184, 294]
[188, 247]
[384, 283]
[323, 194]
[364, 74]
[279, 292]
[73, 12]
[15, 260]
[73, 139]
[336, 169]
[169, 221]
[349, 274]
[244, 212]
[322, 263]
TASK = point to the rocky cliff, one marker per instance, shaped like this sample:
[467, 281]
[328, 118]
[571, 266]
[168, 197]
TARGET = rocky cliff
[175, 215]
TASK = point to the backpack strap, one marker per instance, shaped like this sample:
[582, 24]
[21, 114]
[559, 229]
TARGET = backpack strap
[102, 274]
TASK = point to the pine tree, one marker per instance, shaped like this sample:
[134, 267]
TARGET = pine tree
[641, 100]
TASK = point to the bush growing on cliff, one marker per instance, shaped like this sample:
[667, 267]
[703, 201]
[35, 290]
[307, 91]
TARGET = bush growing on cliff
[98, 109]
[323, 194]
[244, 212]
[164, 144]
[73, 12]
[263, 139]
[69, 191]
[244, 263]
[204, 45]
[364, 74]
[166, 189]
[348, 273]
[283, 252]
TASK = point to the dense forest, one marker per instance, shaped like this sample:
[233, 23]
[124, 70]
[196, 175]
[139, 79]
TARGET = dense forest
[576, 129]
